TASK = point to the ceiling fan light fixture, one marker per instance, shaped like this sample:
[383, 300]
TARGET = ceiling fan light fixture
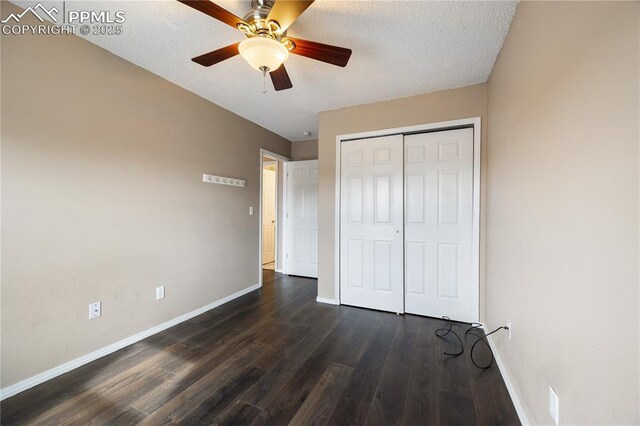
[261, 52]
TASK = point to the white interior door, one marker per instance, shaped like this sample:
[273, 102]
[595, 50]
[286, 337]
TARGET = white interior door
[269, 212]
[371, 232]
[439, 225]
[302, 218]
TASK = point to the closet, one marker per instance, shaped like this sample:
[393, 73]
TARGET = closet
[407, 224]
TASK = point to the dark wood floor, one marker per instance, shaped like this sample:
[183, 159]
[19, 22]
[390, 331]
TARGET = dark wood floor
[274, 357]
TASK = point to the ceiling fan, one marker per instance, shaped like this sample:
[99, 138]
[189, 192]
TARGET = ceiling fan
[267, 46]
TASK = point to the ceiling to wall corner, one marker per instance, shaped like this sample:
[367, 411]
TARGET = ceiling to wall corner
[400, 48]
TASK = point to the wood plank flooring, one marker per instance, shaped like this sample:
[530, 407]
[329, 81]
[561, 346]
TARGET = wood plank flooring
[274, 357]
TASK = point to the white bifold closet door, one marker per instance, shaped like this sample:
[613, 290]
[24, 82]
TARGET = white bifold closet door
[371, 234]
[439, 225]
[302, 218]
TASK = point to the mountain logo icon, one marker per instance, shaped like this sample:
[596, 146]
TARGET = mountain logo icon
[39, 11]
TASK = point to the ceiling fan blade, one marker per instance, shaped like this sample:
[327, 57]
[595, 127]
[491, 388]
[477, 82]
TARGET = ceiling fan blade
[216, 56]
[280, 79]
[321, 52]
[210, 8]
[285, 12]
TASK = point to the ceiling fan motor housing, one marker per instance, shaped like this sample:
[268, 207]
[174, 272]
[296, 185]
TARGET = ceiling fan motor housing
[257, 19]
[259, 10]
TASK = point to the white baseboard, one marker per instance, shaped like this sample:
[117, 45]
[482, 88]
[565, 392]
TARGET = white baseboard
[9, 391]
[281, 271]
[327, 300]
[508, 382]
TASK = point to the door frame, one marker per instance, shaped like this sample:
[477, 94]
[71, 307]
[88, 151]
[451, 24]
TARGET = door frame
[279, 251]
[473, 122]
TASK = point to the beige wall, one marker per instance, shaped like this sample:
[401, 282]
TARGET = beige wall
[447, 105]
[103, 200]
[562, 209]
[304, 150]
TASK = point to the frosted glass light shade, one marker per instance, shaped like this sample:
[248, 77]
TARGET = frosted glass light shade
[263, 52]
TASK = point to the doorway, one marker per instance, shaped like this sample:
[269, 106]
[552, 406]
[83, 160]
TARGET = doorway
[269, 212]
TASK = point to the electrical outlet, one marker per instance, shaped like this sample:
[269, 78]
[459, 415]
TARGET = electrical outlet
[554, 406]
[159, 292]
[509, 329]
[95, 310]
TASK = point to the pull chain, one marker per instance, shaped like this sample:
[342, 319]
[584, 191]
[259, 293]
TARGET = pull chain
[264, 79]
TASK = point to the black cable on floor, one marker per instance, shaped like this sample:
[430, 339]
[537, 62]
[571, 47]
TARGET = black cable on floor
[442, 332]
[482, 339]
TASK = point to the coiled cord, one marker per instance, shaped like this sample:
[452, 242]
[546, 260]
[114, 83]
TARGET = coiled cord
[442, 332]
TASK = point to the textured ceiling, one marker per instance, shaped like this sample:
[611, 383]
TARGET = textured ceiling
[400, 48]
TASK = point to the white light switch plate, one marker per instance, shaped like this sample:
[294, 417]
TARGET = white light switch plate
[554, 406]
[251, 211]
[159, 292]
